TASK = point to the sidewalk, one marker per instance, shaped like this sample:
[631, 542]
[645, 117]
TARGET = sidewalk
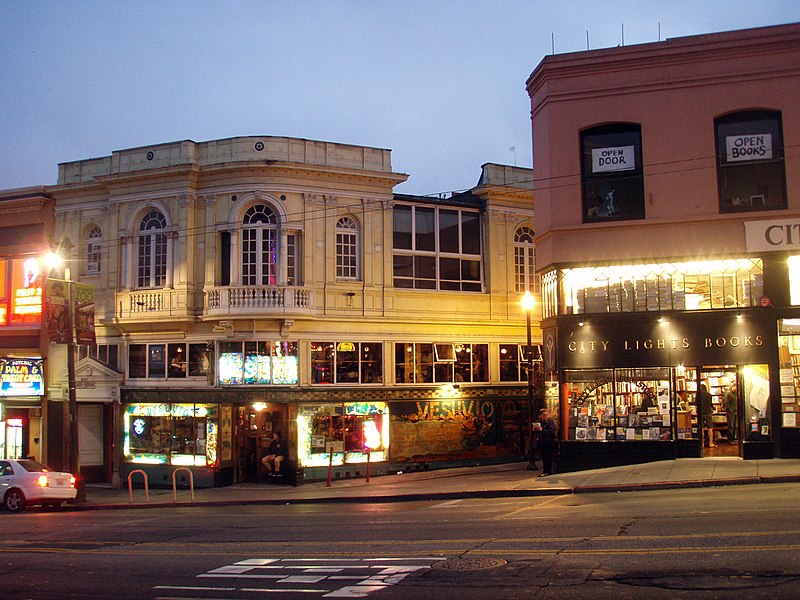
[495, 481]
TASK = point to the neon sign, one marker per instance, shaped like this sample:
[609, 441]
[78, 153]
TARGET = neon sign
[21, 377]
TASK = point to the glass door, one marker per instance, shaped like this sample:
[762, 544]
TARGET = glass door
[718, 405]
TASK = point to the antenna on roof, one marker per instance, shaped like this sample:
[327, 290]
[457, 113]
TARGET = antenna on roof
[553, 42]
[623, 34]
[587, 39]
[659, 31]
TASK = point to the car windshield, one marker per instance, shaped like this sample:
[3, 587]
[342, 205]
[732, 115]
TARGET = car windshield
[33, 466]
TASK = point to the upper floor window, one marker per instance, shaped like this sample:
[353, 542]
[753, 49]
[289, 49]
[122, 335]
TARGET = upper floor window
[346, 249]
[611, 173]
[346, 362]
[524, 261]
[257, 363]
[94, 241]
[152, 250]
[750, 167]
[259, 246]
[105, 353]
[441, 363]
[437, 248]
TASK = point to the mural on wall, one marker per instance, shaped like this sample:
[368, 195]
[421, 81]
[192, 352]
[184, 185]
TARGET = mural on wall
[453, 429]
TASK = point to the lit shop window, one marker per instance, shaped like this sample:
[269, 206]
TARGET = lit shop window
[346, 362]
[621, 404]
[699, 285]
[257, 363]
[171, 434]
[167, 361]
[750, 165]
[348, 430]
[24, 304]
[441, 363]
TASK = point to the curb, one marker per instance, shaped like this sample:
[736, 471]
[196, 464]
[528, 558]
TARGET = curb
[429, 496]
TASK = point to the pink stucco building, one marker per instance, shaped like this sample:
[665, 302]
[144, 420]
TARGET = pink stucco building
[667, 191]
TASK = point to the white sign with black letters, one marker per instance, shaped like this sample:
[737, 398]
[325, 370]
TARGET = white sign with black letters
[748, 147]
[620, 158]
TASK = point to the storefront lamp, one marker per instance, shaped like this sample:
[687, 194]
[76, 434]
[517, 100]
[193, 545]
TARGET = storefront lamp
[528, 304]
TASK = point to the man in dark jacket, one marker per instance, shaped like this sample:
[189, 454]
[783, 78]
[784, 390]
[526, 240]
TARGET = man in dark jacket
[275, 454]
[547, 441]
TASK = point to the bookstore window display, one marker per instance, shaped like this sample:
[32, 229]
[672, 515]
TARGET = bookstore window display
[620, 404]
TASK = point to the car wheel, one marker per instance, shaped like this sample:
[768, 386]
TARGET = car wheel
[15, 500]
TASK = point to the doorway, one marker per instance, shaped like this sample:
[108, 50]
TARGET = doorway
[718, 406]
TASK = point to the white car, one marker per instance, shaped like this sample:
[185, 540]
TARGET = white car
[26, 482]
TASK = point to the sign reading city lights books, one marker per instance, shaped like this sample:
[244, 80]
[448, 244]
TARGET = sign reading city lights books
[21, 377]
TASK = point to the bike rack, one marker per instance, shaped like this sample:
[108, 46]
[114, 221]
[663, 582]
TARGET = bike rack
[174, 486]
[146, 487]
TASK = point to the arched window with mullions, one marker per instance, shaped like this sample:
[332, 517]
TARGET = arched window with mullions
[151, 269]
[259, 246]
[94, 245]
[347, 249]
[525, 261]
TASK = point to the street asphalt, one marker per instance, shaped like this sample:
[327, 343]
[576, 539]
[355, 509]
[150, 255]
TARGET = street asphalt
[495, 481]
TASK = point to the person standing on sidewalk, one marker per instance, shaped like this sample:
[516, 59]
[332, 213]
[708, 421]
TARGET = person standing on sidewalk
[547, 442]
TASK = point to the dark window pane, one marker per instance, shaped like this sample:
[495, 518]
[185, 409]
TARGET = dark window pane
[156, 361]
[402, 227]
[137, 361]
[448, 231]
[403, 265]
[199, 360]
[176, 355]
[470, 233]
[425, 267]
[450, 269]
[371, 362]
[424, 234]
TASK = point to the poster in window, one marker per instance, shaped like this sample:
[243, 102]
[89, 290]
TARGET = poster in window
[225, 430]
[741, 148]
[610, 160]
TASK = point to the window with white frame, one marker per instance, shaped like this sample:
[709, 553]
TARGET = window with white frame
[525, 261]
[94, 241]
[152, 250]
[259, 246]
[437, 248]
[346, 248]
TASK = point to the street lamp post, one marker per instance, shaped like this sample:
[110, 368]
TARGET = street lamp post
[527, 305]
[72, 409]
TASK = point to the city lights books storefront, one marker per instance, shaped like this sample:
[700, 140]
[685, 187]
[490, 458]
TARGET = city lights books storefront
[631, 389]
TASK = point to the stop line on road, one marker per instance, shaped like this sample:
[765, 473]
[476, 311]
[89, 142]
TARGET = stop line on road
[330, 578]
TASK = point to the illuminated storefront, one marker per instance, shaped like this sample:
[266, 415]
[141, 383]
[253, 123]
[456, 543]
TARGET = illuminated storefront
[21, 388]
[160, 437]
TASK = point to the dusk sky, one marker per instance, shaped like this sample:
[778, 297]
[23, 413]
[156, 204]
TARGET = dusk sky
[440, 83]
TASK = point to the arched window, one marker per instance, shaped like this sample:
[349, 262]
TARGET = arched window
[94, 241]
[151, 268]
[525, 261]
[347, 249]
[259, 246]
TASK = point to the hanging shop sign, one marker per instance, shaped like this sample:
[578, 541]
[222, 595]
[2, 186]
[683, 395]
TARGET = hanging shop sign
[21, 377]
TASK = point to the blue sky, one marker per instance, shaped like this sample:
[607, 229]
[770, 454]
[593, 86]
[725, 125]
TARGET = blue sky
[441, 83]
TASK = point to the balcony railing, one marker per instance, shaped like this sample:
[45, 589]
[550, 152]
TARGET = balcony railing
[244, 300]
[136, 305]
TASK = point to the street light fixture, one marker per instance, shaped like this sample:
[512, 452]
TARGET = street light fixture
[528, 304]
[55, 262]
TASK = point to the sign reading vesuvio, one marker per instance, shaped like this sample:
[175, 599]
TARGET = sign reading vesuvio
[21, 377]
